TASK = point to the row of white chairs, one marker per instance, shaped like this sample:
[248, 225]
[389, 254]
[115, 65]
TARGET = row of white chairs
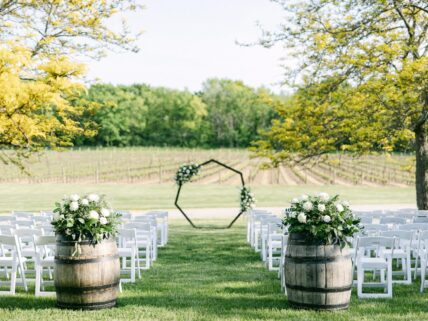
[374, 250]
[20, 245]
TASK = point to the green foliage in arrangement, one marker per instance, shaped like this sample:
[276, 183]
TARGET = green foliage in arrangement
[225, 113]
[322, 219]
[247, 200]
[86, 218]
[185, 173]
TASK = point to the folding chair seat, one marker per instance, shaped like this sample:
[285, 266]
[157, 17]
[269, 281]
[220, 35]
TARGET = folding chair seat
[45, 259]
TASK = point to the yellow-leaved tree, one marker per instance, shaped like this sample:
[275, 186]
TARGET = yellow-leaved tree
[40, 43]
[363, 67]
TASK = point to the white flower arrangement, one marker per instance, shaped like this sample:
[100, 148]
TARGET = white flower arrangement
[89, 217]
[186, 172]
[247, 199]
[322, 219]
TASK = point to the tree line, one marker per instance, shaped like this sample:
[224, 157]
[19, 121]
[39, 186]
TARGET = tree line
[225, 113]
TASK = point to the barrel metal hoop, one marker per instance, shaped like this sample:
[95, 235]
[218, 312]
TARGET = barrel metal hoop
[319, 306]
[77, 260]
[320, 290]
[87, 289]
[316, 260]
[93, 305]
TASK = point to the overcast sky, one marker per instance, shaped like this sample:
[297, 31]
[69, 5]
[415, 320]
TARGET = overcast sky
[187, 41]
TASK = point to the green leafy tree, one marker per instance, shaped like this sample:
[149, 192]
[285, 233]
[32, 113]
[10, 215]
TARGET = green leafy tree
[363, 72]
[236, 112]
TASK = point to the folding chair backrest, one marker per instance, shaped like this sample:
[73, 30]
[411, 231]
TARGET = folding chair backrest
[371, 241]
[127, 234]
[43, 240]
[375, 229]
[7, 229]
[139, 226]
[10, 240]
[42, 219]
[24, 224]
[420, 219]
[27, 234]
[23, 215]
[47, 213]
[414, 227]
[404, 238]
[392, 220]
[7, 218]
[366, 220]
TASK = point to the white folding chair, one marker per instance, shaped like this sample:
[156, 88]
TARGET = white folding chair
[14, 261]
[162, 225]
[144, 242]
[284, 241]
[45, 259]
[26, 245]
[404, 244]
[274, 245]
[128, 249]
[380, 262]
[153, 232]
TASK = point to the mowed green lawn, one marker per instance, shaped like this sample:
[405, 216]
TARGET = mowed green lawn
[144, 196]
[214, 275]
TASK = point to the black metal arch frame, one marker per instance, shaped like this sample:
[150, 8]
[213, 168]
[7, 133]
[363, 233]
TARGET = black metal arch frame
[199, 166]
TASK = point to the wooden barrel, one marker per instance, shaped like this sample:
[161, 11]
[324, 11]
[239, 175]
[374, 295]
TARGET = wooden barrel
[317, 276]
[89, 279]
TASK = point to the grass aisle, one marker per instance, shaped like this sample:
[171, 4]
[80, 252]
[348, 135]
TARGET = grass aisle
[213, 275]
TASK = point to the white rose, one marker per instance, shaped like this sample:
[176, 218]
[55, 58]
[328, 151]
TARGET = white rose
[103, 221]
[105, 212]
[292, 214]
[324, 197]
[339, 207]
[307, 206]
[93, 197]
[295, 201]
[74, 197]
[321, 207]
[84, 202]
[326, 218]
[304, 197]
[93, 215]
[301, 218]
[74, 206]
[345, 203]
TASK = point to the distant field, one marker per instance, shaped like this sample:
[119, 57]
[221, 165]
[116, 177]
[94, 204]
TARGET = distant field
[194, 195]
[158, 165]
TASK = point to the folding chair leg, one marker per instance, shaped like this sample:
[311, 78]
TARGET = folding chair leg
[13, 279]
[38, 280]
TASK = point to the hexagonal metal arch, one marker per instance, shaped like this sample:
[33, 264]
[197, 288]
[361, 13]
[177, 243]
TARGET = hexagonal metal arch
[199, 166]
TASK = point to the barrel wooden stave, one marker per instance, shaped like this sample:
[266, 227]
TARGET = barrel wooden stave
[88, 280]
[318, 276]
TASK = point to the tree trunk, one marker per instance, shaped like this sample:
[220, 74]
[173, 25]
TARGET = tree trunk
[421, 167]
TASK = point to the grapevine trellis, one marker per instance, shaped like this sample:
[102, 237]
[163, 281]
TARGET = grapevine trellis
[186, 172]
